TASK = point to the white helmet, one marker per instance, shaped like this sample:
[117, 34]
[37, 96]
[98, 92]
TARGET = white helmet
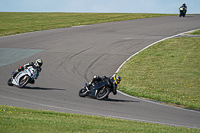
[38, 63]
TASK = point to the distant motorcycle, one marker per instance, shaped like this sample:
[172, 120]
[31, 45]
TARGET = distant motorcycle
[23, 78]
[98, 90]
[182, 11]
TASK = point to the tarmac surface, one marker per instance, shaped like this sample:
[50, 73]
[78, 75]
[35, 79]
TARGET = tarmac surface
[72, 56]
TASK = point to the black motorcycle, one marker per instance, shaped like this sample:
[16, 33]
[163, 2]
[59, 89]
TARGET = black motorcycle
[98, 90]
[182, 11]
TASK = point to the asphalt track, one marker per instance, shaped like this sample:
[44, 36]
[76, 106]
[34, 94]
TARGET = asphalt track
[74, 55]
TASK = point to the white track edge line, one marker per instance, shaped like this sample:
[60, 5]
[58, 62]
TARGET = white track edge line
[141, 51]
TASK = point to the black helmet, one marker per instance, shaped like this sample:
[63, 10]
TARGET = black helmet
[117, 79]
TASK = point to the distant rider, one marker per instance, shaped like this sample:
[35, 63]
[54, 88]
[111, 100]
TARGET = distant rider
[111, 82]
[36, 65]
[184, 7]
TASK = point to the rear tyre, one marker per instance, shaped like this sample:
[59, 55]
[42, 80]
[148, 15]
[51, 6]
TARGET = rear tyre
[10, 82]
[83, 92]
[23, 81]
[103, 93]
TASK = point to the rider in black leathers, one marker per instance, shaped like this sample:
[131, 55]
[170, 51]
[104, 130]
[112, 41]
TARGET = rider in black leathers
[184, 7]
[111, 82]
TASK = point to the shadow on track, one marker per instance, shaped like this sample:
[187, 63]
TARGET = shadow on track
[118, 100]
[112, 100]
[40, 88]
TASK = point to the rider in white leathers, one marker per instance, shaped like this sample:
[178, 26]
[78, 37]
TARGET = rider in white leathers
[36, 65]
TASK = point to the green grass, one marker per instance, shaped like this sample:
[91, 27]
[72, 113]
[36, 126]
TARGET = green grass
[196, 32]
[167, 71]
[14, 120]
[16, 23]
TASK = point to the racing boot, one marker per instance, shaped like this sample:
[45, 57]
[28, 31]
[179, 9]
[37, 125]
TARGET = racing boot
[90, 88]
[89, 85]
[21, 68]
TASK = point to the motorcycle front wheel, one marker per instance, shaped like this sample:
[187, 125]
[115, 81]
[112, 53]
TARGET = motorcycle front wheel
[83, 92]
[24, 80]
[103, 93]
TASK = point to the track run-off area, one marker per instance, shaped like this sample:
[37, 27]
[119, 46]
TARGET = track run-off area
[72, 56]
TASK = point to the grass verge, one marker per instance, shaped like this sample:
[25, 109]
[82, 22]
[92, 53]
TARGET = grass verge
[14, 119]
[167, 71]
[197, 32]
[16, 22]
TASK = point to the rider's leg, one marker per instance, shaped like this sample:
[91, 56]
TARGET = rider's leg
[15, 73]
[21, 68]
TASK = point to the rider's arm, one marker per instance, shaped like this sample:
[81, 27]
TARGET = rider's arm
[39, 69]
[29, 64]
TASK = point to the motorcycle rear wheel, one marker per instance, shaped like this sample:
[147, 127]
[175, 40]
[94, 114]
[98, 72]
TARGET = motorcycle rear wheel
[83, 92]
[103, 93]
[10, 82]
[23, 81]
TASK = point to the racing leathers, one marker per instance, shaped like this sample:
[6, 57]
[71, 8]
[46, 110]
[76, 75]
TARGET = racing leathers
[184, 7]
[21, 68]
[109, 81]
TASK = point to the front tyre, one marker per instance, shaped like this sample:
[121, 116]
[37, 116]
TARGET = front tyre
[103, 93]
[83, 92]
[23, 81]
[10, 82]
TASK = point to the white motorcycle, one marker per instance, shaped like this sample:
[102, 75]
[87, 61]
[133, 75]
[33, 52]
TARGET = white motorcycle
[23, 78]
